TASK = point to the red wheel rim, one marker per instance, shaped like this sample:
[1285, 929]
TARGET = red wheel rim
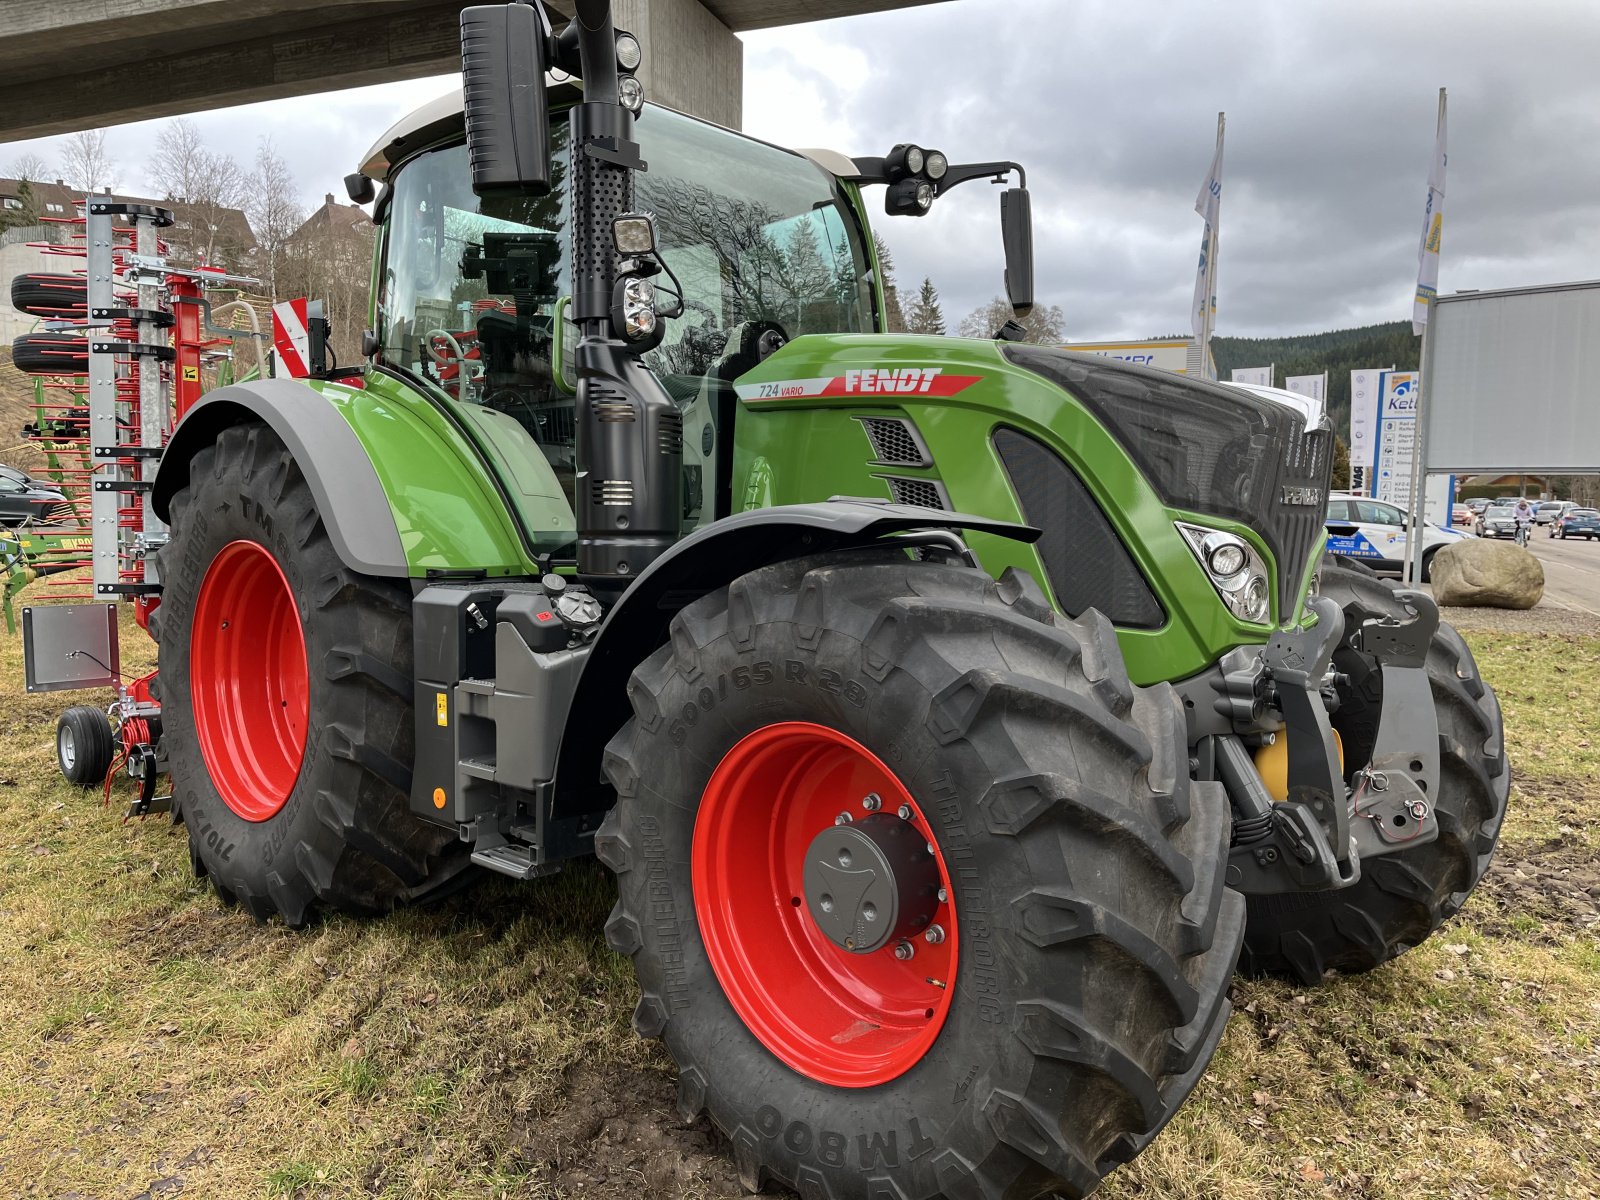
[248, 680]
[842, 1018]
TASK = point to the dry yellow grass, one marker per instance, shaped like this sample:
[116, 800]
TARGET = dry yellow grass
[156, 1044]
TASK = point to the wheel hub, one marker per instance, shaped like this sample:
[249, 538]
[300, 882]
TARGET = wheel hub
[870, 882]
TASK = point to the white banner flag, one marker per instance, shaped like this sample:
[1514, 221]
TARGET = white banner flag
[1363, 428]
[1432, 231]
[1313, 387]
[1261, 376]
[1208, 204]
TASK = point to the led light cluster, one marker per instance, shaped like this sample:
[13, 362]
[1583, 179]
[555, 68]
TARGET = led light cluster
[629, 90]
[1235, 570]
[912, 173]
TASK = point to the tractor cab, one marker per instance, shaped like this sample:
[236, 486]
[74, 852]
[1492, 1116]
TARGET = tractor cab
[766, 245]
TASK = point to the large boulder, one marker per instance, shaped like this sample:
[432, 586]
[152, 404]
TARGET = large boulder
[1478, 572]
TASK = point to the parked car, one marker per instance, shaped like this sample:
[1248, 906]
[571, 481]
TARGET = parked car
[1375, 532]
[1498, 520]
[1579, 522]
[1550, 510]
[21, 502]
[22, 476]
[1460, 514]
[1477, 504]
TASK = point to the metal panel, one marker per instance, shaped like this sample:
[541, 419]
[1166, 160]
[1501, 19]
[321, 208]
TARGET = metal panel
[1511, 381]
[69, 646]
[106, 536]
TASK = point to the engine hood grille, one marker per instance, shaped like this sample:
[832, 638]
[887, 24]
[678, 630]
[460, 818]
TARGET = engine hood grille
[1208, 449]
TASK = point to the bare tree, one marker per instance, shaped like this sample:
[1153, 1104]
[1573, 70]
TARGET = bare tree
[28, 166]
[1043, 322]
[273, 208]
[87, 163]
[205, 186]
[331, 260]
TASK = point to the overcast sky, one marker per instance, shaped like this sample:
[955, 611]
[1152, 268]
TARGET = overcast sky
[1111, 105]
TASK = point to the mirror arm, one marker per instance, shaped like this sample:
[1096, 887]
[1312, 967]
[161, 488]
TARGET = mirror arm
[995, 172]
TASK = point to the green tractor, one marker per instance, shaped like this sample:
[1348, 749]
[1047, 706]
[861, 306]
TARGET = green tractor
[953, 714]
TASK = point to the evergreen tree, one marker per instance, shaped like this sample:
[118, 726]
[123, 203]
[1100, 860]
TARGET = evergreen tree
[1341, 464]
[926, 315]
[894, 313]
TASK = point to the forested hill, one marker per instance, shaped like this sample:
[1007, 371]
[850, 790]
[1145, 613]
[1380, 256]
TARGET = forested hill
[1338, 353]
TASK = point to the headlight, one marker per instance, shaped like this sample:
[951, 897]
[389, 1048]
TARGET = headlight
[1235, 570]
[936, 165]
[631, 92]
[638, 308]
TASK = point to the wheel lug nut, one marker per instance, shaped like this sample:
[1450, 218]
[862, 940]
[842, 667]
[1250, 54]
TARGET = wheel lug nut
[930, 849]
[944, 896]
[903, 950]
[872, 802]
[904, 812]
[843, 818]
[934, 934]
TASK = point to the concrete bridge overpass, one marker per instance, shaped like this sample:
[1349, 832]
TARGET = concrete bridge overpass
[87, 63]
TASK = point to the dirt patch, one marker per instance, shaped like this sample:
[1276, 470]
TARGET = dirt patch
[1542, 893]
[614, 1132]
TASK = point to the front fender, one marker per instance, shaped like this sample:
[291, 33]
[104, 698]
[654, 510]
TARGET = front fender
[711, 558]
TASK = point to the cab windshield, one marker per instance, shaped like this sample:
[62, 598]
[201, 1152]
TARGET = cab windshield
[762, 240]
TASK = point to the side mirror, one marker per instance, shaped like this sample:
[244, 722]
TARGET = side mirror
[1016, 230]
[502, 79]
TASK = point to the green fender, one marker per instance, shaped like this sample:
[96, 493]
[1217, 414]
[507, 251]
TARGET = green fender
[402, 489]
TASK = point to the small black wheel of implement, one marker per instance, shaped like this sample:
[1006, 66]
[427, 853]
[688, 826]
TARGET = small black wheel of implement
[1401, 898]
[918, 890]
[286, 695]
[84, 748]
[57, 297]
[50, 354]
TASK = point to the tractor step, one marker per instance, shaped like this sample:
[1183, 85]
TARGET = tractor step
[519, 862]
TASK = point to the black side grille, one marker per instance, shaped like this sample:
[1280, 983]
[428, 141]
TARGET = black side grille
[669, 435]
[1088, 565]
[1208, 449]
[924, 493]
[895, 441]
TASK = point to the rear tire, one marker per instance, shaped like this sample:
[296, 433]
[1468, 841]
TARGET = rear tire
[1401, 898]
[305, 800]
[1089, 936]
[84, 746]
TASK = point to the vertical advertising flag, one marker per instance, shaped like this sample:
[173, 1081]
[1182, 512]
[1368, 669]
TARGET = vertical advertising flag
[1363, 429]
[1261, 376]
[1209, 205]
[1432, 230]
[1312, 387]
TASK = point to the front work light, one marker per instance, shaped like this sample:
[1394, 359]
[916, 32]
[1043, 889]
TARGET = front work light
[629, 53]
[905, 159]
[936, 165]
[910, 197]
[634, 235]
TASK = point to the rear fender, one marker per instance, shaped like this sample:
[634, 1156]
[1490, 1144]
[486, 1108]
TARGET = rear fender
[354, 506]
[401, 489]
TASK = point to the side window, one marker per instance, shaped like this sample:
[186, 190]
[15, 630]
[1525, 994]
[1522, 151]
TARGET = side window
[1374, 513]
[7, 484]
[1338, 510]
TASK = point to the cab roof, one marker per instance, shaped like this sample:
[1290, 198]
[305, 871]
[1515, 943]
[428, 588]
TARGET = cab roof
[441, 118]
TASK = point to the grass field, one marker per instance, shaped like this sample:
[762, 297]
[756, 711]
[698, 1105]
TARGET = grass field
[156, 1044]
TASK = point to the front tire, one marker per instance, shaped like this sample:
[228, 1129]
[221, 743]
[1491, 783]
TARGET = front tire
[1079, 982]
[1401, 898]
[286, 696]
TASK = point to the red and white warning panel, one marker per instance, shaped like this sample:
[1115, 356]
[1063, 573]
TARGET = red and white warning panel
[291, 337]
